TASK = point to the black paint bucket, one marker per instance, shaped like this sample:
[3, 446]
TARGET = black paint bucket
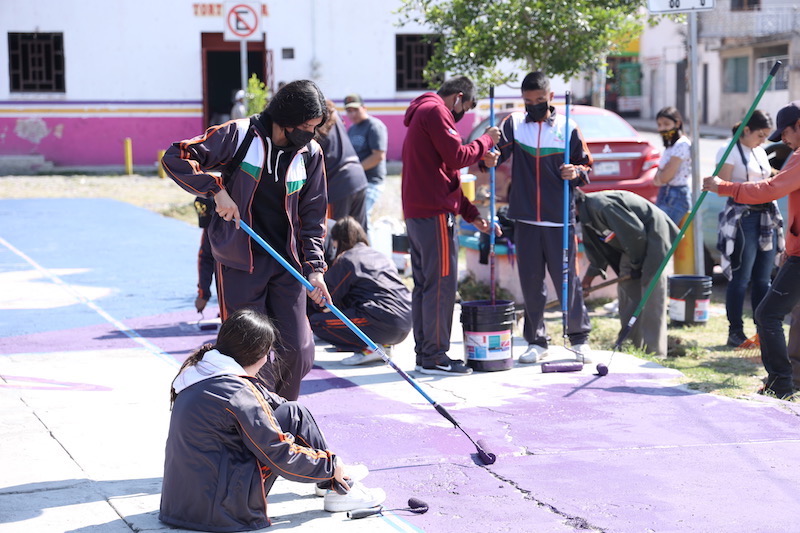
[689, 299]
[488, 331]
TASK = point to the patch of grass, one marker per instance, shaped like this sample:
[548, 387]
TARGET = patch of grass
[707, 363]
[471, 290]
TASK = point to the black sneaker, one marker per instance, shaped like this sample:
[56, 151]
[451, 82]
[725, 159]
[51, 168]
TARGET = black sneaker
[447, 367]
[736, 339]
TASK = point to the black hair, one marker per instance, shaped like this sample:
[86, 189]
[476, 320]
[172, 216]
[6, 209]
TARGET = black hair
[536, 81]
[347, 232]
[671, 113]
[759, 120]
[246, 336]
[459, 84]
[296, 103]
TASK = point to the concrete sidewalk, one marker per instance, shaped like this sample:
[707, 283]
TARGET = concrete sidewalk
[96, 315]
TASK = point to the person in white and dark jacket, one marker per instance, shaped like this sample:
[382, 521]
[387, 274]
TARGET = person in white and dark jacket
[278, 188]
[230, 438]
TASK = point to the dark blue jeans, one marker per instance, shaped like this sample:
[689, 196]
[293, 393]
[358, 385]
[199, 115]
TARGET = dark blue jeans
[778, 302]
[750, 265]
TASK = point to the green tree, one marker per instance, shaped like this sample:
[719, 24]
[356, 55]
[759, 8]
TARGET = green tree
[257, 95]
[558, 37]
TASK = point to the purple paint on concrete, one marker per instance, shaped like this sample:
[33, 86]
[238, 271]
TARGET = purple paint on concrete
[177, 334]
[34, 383]
[619, 453]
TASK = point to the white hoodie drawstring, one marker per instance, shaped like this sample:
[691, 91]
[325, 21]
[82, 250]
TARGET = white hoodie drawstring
[277, 159]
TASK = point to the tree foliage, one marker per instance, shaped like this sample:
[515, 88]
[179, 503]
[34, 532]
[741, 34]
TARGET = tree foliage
[256, 96]
[558, 37]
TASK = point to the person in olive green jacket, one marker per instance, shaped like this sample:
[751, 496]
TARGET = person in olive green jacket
[632, 236]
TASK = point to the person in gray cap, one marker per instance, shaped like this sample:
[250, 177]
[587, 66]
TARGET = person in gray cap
[370, 139]
[785, 291]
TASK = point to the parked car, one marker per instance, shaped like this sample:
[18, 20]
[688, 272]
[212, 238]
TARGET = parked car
[623, 159]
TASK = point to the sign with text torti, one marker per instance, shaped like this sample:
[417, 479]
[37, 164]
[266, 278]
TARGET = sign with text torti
[243, 21]
[679, 6]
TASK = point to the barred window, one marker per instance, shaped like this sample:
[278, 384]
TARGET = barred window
[36, 62]
[413, 51]
[781, 80]
[745, 5]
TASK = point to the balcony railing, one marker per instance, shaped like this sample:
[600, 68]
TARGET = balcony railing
[762, 23]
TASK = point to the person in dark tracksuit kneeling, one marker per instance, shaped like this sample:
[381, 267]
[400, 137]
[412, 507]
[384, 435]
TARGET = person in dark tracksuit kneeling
[230, 439]
[367, 288]
[278, 188]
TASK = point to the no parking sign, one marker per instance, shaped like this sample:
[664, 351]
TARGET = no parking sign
[243, 21]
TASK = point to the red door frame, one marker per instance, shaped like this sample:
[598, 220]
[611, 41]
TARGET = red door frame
[215, 42]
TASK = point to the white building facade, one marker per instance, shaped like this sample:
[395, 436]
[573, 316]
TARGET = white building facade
[82, 76]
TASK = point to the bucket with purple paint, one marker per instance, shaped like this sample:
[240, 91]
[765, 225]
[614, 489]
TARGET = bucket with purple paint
[488, 334]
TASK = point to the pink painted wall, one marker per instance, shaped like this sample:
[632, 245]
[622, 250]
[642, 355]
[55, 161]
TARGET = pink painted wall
[99, 140]
[397, 132]
[79, 141]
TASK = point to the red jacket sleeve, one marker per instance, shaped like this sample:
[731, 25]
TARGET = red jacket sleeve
[447, 141]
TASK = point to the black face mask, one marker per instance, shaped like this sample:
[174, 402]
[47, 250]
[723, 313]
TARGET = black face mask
[536, 113]
[670, 137]
[458, 115]
[298, 137]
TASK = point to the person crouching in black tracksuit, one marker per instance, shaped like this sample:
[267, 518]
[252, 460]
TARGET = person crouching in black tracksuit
[366, 286]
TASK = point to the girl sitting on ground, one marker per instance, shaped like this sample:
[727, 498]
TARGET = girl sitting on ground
[230, 438]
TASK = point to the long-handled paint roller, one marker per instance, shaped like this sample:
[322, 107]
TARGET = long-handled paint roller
[554, 303]
[570, 366]
[485, 456]
[492, 207]
[602, 369]
[415, 506]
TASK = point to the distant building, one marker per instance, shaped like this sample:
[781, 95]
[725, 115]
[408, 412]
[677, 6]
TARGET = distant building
[83, 76]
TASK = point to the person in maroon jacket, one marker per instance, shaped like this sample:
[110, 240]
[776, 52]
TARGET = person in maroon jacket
[279, 190]
[366, 286]
[431, 188]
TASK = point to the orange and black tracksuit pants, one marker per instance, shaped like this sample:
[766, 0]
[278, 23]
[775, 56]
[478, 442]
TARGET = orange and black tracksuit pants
[434, 264]
[272, 290]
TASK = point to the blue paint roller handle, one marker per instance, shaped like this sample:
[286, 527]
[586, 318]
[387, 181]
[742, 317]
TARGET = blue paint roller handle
[349, 323]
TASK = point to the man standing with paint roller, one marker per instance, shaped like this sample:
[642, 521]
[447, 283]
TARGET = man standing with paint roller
[536, 141]
[273, 178]
[432, 197]
[785, 291]
[632, 236]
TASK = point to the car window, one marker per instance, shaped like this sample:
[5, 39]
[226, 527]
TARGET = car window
[603, 127]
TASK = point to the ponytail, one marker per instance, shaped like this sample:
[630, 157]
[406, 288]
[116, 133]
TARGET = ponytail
[192, 360]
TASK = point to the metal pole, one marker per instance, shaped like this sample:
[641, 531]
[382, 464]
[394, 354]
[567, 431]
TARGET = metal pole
[697, 228]
[243, 60]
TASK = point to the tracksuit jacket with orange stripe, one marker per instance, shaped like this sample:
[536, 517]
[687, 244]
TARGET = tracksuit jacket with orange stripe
[364, 278]
[432, 158]
[537, 190]
[225, 449]
[188, 163]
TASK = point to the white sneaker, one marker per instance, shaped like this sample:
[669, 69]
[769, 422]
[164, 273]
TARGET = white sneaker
[354, 472]
[532, 354]
[359, 497]
[362, 358]
[585, 350]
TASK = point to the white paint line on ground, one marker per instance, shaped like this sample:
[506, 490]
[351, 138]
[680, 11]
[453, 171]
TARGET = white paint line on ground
[132, 334]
